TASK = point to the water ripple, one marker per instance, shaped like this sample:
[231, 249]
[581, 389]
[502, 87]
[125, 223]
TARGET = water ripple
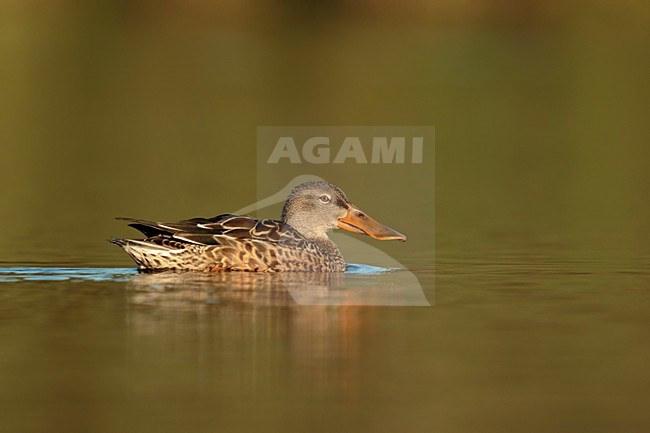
[14, 274]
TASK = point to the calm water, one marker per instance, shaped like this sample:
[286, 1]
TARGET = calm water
[521, 341]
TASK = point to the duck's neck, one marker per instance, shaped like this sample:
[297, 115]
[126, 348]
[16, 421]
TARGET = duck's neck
[305, 225]
[322, 242]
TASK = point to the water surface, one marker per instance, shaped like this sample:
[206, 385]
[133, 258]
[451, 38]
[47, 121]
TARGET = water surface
[529, 342]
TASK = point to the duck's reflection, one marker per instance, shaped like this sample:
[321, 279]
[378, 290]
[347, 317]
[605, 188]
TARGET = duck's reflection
[398, 288]
[247, 330]
[185, 290]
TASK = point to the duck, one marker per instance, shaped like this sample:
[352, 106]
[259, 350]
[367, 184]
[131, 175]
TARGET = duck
[297, 242]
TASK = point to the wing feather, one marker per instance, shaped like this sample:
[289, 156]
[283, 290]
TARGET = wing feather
[224, 229]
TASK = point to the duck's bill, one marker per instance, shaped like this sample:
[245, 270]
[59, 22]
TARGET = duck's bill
[356, 221]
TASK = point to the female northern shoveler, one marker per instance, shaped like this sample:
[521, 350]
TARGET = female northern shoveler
[297, 242]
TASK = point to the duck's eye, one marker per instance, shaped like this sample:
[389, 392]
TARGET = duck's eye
[325, 198]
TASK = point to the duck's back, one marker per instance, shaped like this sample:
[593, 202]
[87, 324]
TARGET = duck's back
[228, 243]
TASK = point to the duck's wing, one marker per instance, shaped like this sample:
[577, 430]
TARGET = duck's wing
[154, 228]
[225, 229]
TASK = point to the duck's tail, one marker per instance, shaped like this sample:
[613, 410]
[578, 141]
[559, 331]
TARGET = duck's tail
[149, 255]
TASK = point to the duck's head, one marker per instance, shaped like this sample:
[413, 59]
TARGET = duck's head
[314, 208]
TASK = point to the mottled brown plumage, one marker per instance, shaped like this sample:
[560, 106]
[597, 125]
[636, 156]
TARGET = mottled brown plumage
[297, 242]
